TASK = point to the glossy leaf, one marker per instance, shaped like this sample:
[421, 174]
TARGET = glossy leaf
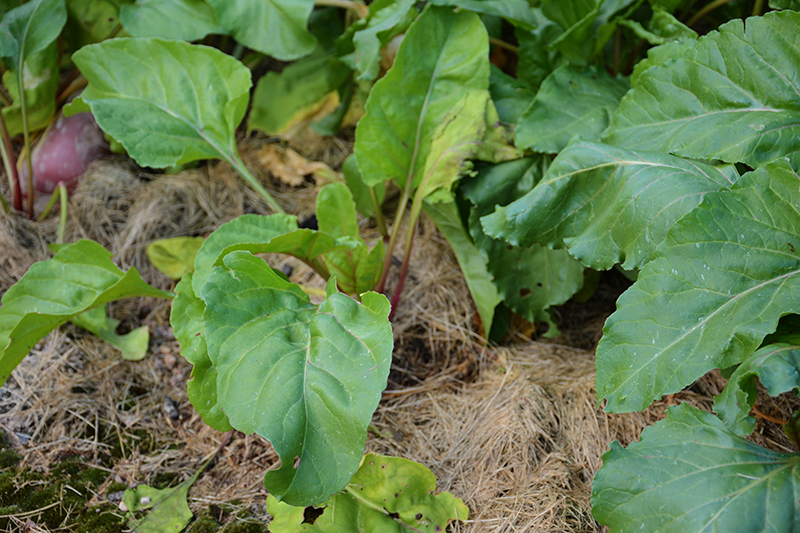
[307, 378]
[571, 101]
[167, 102]
[606, 205]
[174, 257]
[186, 20]
[753, 109]
[278, 28]
[777, 367]
[386, 494]
[133, 345]
[690, 473]
[187, 322]
[720, 281]
[81, 276]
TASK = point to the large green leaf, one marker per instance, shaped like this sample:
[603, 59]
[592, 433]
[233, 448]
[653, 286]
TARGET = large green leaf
[362, 193]
[577, 20]
[81, 276]
[91, 21]
[529, 279]
[133, 344]
[721, 279]
[517, 12]
[278, 28]
[187, 20]
[443, 58]
[571, 101]
[472, 263]
[386, 19]
[732, 96]
[785, 4]
[536, 59]
[776, 366]
[174, 257]
[40, 86]
[607, 205]
[307, 378]
[386, 495]
[690, 473]
[167, 102]
[511, 96]
[29, 28]
[186, 318]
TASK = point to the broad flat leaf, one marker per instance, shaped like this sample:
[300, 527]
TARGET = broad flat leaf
[278, 28]
[776, 366]
[443, 57]
[517, 12]
[785, 4]
[186, 20]
[167, 102]
[577, 19]
[529, 279]
[282, 100]
[174, 257]
[336, 211]
[40, 85]
[690, 473]
[752, 115]
[360, 190]
[133, 345]
[81, 276]
[511, 97]
[536, 59]
[386, 494]
[606, 205]
[91, 21]
[29, 28]
[472, 263]
[571, 101]
[186, 318]
[306, 378]
[721, 279]
[659, 55]
[386, 19]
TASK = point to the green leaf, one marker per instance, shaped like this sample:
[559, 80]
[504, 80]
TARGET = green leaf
[281, 100]
[278, 28]
[636, 197]
[511, 97]
[386, 20]
[577, 19]
[529, 279]
[785, 4]
[81, 276]
[517, 12]
[133, 345]
[443, 58]
[536, 59]
[776, 366]
[473, 264]
[167, 102]
[359, 189]
[29, 28]
[336, 211]
[40, 84]
[306, 378]
[721, 279]
[174, 257]
[690, 473]
[187, 323]
[186, 20]
[91, 21]
[571, 101]
[285, 518]
[753, 109]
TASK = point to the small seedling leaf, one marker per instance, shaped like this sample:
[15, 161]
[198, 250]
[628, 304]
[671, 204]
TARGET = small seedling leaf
[174, 257]
[133, 345]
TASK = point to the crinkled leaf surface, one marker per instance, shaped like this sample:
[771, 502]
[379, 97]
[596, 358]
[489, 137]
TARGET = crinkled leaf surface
[751, 114]
[174, 257]
[40, 85]
[690, 473]
[133, 345]
[186, 20]
[570, 101]
[529, 279]
[167, 102]
[385, 494]
[307, 378]
[606, 204]
[281, 100]
[80, 276]
[719, 283]
[443, 57]
[278, 28]
[776, 366]
[187, 322]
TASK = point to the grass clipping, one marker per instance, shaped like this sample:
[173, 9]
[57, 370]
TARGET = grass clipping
[512, 431]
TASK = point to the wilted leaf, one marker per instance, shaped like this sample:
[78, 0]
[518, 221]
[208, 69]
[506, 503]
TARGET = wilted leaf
[690, 473]
[287, 165]
[174, 257]
[720, 281]
[133, 345]
[636, 197]
[186, 20]
[81, 276]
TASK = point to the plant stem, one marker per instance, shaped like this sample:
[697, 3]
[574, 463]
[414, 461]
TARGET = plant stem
[11, 165]
[359, 8]
[705, 11]
[50, 204]
[62, 223]
[241, 168]
[502, 44]
[4, 205]
[376, 207]
[758, 7]
[387, 258]
[26, 133]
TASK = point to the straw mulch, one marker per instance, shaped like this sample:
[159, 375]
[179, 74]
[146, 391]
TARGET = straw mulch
[513, 431]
